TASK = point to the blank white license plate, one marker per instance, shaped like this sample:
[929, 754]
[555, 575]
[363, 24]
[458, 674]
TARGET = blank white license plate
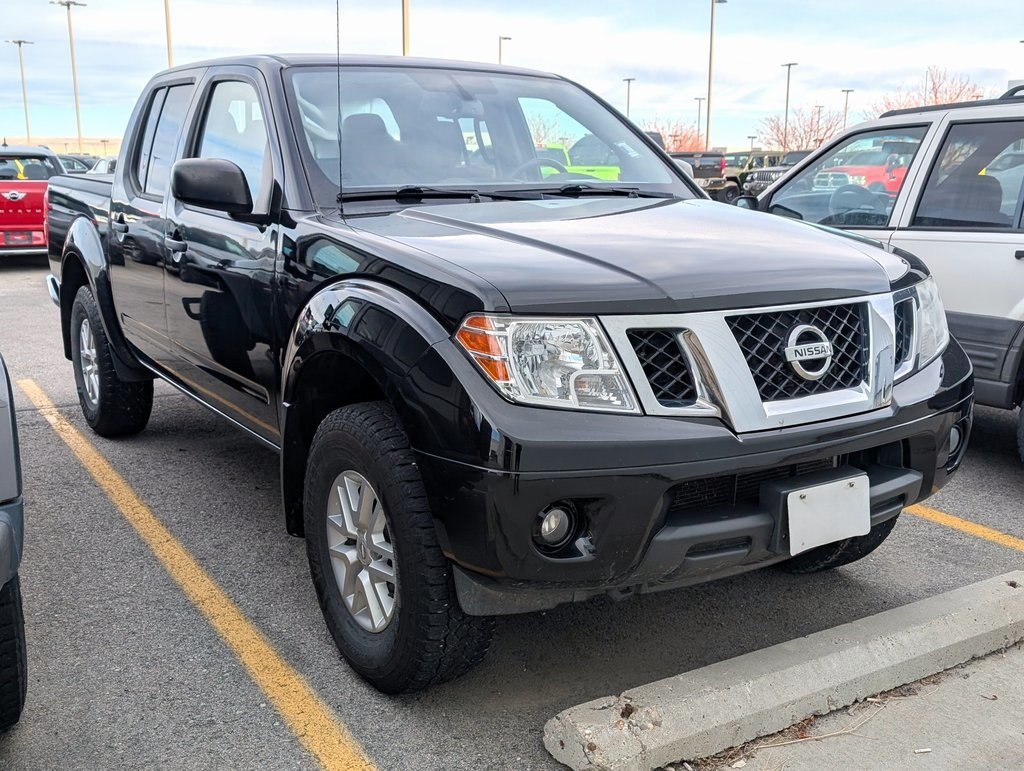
[829, 512]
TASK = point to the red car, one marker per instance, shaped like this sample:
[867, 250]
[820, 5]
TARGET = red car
[24, 172]
[880, 171]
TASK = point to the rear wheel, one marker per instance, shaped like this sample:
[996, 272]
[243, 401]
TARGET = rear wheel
[13, 655]
[111, 406]
[385, 588]
[834, 555]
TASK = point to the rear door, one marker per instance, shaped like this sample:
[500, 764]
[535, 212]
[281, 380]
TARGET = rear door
[965, 222]
[219, 269]
[138, 220]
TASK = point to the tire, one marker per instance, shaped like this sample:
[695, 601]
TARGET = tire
[1020, 433]
[111, 406]
[13, 655]
[419, 636]
[834, 555]
[728, 194]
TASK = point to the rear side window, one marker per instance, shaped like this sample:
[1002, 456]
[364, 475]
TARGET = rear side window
[977, 180]
[165, 139]
[146, 143]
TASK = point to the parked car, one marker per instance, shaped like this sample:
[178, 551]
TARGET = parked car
[24, 172]
[105, 165]
[13, 658]
[495, 390]
[739, 165]
[77, 163]
[709, 173]
[757, 181]
[956, 203]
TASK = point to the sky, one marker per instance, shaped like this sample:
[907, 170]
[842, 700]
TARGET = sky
[871, 46]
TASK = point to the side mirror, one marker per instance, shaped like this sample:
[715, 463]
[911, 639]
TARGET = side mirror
[211, 183]
[746, 202]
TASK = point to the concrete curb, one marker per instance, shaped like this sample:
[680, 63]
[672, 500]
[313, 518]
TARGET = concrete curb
[708, 710]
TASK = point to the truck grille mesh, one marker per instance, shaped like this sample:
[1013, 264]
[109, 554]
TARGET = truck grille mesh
[665, 365]
[735, 489]
[763, 337]
[904, 330]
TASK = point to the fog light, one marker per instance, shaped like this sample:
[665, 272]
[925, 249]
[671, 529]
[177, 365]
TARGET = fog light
[956, 438]
[556, 526]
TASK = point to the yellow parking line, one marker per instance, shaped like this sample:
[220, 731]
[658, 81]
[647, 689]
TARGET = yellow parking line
[308, 716]
[966, 526]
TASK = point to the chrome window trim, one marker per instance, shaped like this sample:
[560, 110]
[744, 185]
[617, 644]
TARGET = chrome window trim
[725, 386]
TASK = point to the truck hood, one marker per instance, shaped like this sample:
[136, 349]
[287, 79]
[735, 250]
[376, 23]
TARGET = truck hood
[629, 255]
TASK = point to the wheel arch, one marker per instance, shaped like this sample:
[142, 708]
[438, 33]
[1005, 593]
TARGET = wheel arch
[354, 341]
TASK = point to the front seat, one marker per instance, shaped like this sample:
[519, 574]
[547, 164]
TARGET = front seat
[370, 155]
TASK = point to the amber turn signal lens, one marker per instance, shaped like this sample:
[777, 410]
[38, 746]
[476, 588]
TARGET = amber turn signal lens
[479, 342]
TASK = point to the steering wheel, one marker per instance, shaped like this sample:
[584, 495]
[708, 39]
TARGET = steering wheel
[538, 162]
[853, 197]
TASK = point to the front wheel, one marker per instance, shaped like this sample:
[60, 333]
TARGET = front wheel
[13, 656]
[385, 588]
[834, 555]
[728, 194]
[111, 406]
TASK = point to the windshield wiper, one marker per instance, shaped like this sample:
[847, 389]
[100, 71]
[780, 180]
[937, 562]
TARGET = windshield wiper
[422, 192]
[577, 189]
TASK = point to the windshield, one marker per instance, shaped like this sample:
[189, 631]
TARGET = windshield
[27, 167]
[455, 129]
[792, 159]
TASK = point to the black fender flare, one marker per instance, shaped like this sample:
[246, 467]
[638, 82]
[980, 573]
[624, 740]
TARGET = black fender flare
[84, 245]
[383, 331]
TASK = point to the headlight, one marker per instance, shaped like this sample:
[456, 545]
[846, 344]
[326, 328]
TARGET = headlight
[554, 362]
[858, 179]
[932, 331]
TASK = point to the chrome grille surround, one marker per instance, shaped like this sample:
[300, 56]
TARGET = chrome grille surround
[722, 378]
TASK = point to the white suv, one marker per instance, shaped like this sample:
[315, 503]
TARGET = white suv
[946, 183]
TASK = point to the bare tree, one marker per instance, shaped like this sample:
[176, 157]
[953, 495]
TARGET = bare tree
[807, 128]
[678, 136]
[544, 128]
[938, 86]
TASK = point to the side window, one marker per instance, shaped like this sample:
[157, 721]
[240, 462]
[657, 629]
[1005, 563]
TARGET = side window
[855, 183]
[145, 146]
[234, 130]
[977, 180]
[165, 139]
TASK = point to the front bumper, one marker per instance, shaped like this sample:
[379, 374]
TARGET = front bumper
[628, 478]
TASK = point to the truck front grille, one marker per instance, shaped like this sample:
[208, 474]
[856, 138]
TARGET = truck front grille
[763, 338]
[665, 365]
[735, 489]
[904, 330]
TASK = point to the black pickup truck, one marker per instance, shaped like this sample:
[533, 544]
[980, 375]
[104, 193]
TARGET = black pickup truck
[495, 384]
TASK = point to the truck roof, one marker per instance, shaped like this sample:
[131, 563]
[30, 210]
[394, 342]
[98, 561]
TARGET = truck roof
[280, 61]
[6, 149]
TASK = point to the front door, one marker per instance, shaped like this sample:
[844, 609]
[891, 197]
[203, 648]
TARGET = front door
[220, 269]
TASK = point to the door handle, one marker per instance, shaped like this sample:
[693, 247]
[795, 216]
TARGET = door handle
[174, 245]
[1019, 254]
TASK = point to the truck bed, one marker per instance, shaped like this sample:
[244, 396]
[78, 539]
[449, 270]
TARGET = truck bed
[77, 195]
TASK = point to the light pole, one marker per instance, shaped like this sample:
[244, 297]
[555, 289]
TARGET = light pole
[817, 122]
[501, 39]
[711, 59]
[405, 27]
[167, 24]
[751, 137]
[74, 73]
[628, 82]
[785, 122]
[846, 104]
[24, 90]
[700, 101]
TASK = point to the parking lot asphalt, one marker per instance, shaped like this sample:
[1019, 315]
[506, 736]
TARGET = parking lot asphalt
[126, 672]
